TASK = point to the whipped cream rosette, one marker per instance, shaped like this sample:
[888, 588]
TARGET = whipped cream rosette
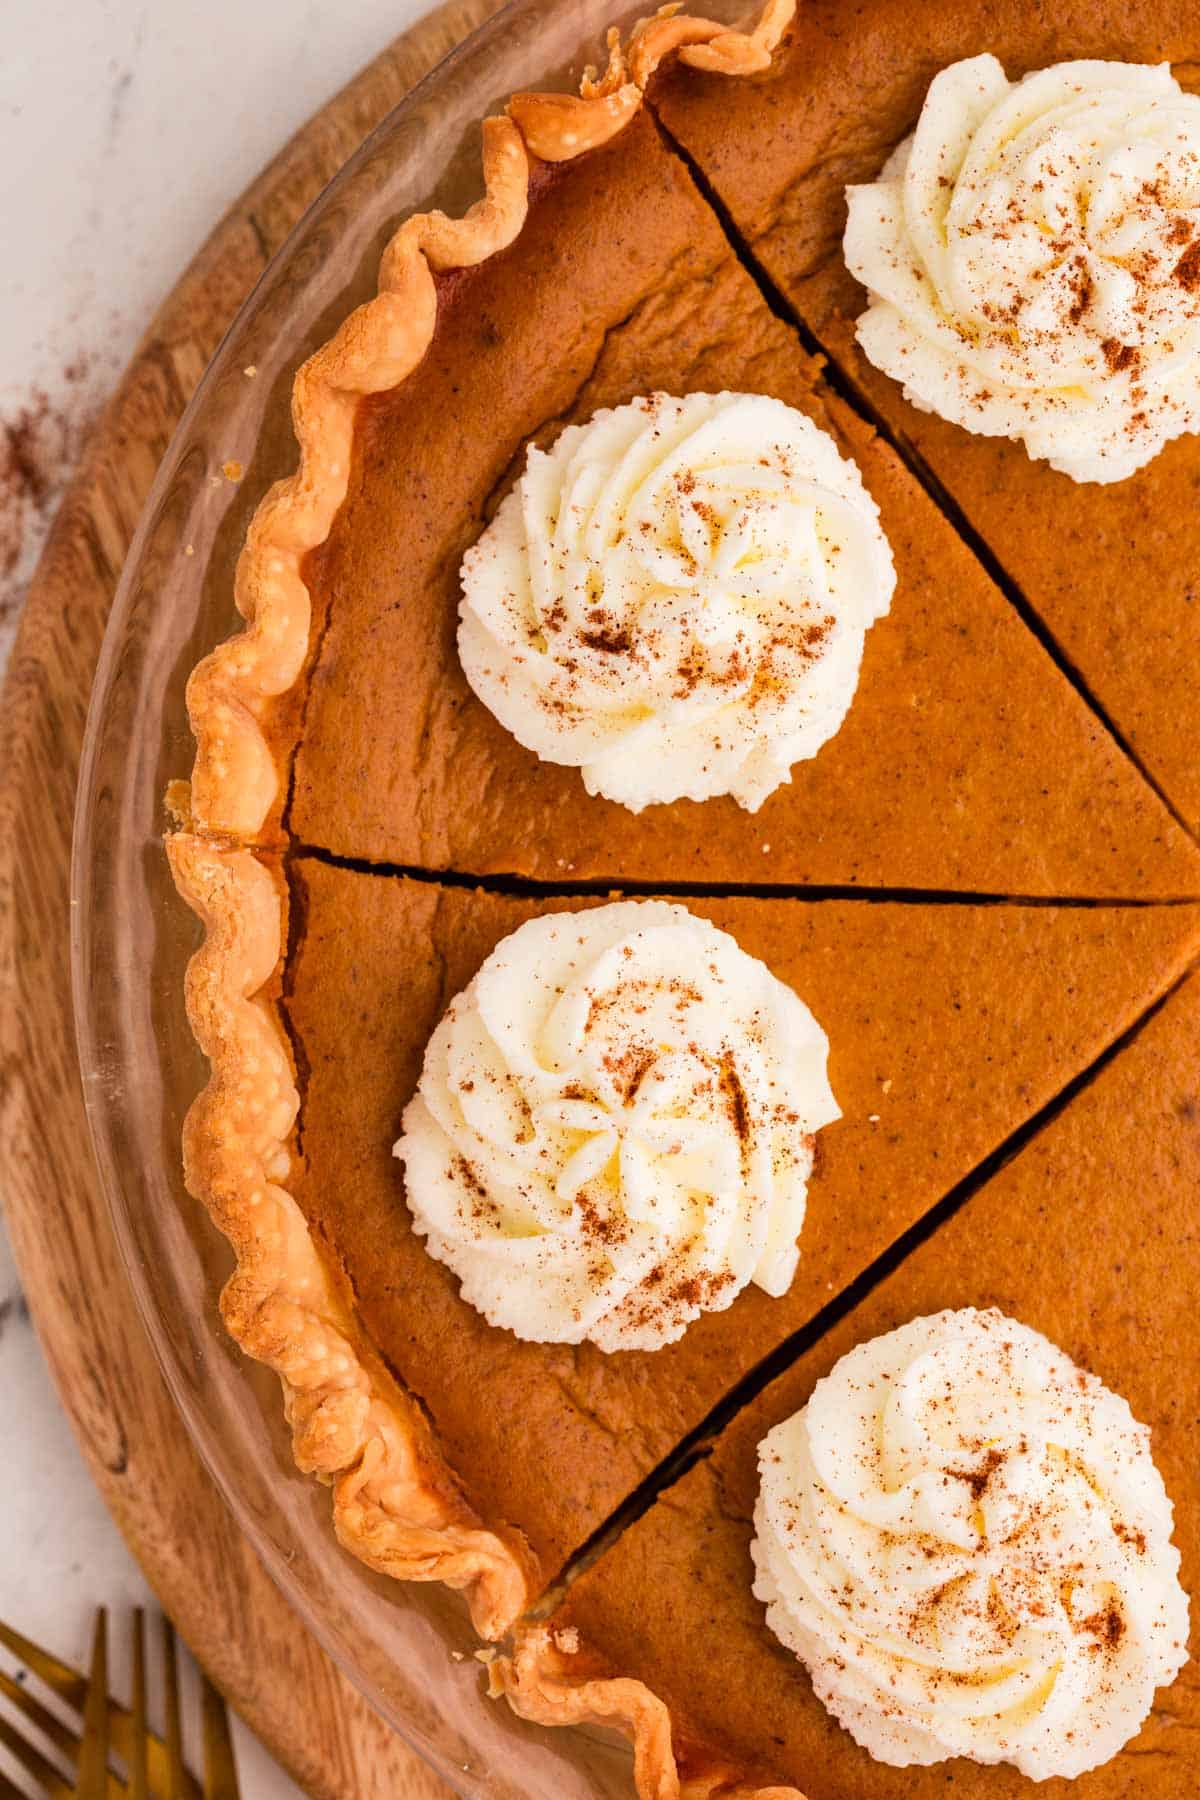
[614, 1126]
[674, 598]
[1032, 254]
[966, 1540]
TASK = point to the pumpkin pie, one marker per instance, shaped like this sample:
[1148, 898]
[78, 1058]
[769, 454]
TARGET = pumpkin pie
[949, 1025]
[665, 1626]
[360, 834]
[1107, 570]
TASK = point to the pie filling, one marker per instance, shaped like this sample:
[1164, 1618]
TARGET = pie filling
[949, 1028]
[965, 763]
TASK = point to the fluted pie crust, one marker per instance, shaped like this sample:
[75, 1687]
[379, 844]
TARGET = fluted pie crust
[398, 1504]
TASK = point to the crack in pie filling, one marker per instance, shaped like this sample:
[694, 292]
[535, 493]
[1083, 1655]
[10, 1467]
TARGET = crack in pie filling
[593, 578]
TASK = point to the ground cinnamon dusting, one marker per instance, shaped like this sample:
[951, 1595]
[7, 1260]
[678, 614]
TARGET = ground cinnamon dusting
[481, 1203]
[1117, 355]
[40, 441]
[1187, 269]
[1082, 288]
[977, 1479]
[1107, 1627]
[608, 638]
[735, 1098]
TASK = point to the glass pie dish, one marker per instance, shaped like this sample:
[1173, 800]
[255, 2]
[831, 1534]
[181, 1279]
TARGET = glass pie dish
[408, 1647]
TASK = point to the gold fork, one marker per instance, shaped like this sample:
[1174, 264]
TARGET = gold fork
[153, 1766]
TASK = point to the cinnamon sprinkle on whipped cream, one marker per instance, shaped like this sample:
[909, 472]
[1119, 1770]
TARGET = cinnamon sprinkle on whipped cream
[614, 1127]
[674, 598]
[965, 1539]
[1032, 254]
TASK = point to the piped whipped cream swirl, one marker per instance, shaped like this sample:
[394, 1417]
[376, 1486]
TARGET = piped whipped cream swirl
[1033, 257]
[674, 598]
[614, 1126]
[966, 1540]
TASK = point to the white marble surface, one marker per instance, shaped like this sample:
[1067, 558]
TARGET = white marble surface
[126, 129]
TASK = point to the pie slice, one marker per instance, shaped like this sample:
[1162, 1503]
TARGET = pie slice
[1083, 1238]
[949, 1025]
[966, 763]
[1108, 569]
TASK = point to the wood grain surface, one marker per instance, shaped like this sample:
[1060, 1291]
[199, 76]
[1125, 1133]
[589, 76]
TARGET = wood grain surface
[206, 1576]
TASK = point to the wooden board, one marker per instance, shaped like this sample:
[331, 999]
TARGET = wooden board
[206, 1576]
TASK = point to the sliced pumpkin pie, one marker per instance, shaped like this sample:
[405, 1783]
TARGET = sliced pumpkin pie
[1060, 1534]
[1069, 454]
[948, 1026]
[964, 762]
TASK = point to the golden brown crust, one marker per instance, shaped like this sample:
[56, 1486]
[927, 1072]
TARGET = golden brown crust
[396, 1504]
[235, 779]
[739, 52]
[557, 127]
[704, 44]
[547, 1679]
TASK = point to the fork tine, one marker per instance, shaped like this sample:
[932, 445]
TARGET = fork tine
[34, 1763]
[174, 1734]
[39, 1716]
[220, 1766]
[91, 1770]
[65, 1681]
[136, 1755]
[59, 1733]
[155, 1765]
